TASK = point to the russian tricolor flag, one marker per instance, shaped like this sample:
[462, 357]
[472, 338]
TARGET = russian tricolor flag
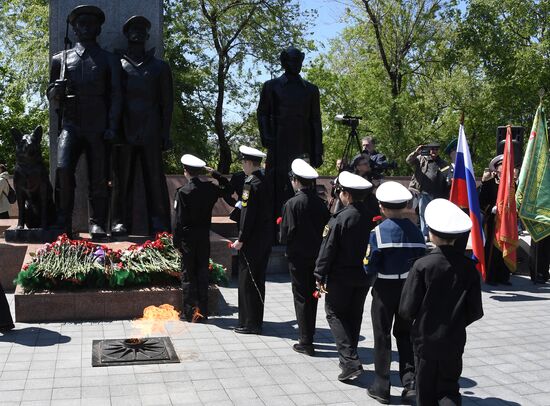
[464, 194]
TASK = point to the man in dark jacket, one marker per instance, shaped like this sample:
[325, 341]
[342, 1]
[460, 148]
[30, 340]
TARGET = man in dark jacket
[303, 219]
[85, 89]
[442, 295]
[289, 120]
[146, 119]
[429, 178]
[394, 245]
[254, 242]
[193, 205]
[339, 270]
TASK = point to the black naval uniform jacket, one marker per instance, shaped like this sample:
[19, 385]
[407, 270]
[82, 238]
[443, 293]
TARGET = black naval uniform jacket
[193, 204]
[442, 295]
[345, 242]
[304, 217]
[256, 213]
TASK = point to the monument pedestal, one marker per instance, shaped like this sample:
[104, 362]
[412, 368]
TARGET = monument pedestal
[32, 235]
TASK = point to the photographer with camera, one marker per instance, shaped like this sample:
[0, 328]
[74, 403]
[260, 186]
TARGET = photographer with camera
[428, 178]
[378, 161]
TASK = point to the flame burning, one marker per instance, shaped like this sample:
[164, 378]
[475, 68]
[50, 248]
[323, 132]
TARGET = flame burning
[154, 318]
[197, 315]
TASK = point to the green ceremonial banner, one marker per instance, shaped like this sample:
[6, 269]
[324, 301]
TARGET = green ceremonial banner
[533, 192]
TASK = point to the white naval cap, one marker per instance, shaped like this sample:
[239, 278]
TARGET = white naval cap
[250, 153]
[303, 170]
[192, 161]
[446, 219]
[349, 180]
[393, 194]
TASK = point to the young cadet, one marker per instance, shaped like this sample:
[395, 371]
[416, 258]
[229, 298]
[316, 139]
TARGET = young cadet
[339, 270]
[193, 205]
[394, 245]
[254, 242]
[442, 295]
[303, 218]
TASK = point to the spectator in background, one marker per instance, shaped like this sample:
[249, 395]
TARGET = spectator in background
[378, 161]
[361, 166]
[4, 190]
[428, 178]
[497, 271]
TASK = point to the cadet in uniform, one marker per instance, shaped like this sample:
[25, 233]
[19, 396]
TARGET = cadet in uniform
[304, 217]
[193, 205]
[254, 242]
[339, 270]
[442, 295]
[394, 245]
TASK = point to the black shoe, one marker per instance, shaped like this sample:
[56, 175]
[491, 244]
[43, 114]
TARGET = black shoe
[246, 330]
[349, 373]
[409, 392]
[119, 230]
[384, 399]
[97, 231]
[307, 349]
[7, 327]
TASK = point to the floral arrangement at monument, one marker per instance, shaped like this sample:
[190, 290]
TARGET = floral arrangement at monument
[73, 264]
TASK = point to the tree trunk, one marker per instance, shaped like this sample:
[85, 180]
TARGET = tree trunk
[225, 152]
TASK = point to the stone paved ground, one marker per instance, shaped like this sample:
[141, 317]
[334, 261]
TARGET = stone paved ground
[506, 362]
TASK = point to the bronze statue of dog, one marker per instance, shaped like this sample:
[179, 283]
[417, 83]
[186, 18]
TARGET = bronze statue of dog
[32, 183]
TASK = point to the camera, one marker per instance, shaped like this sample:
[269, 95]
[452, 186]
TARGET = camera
[425, 151]
[351, 121]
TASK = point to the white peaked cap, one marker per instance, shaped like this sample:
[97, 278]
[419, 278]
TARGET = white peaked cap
[393, 192]
[193, 161]
[304, 170]
[252, 152]
[352, 181]
[445, 217]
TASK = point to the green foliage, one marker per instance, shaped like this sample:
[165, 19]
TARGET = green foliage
[487, 64]
[231, 43]
[23, 67]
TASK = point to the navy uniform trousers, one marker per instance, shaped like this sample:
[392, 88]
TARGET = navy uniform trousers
[386, 294]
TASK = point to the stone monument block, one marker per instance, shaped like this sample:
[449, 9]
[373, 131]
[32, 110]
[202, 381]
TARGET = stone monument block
[111, 38]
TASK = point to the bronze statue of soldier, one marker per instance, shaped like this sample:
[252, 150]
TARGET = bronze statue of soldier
[85, 90]
[289, 120]
[146, 118]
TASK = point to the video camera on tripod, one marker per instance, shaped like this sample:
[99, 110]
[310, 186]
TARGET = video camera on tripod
[353, 136]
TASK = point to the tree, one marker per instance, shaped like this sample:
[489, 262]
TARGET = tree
[233, 41]
[405, 33]
[23, 69]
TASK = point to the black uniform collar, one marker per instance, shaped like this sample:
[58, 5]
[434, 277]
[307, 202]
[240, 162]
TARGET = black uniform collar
[80, 48]
[284, 80]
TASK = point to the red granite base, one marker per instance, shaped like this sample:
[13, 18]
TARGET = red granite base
[99, 304]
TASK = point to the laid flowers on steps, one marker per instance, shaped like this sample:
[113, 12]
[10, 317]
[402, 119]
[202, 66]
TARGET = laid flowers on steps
[73, 264]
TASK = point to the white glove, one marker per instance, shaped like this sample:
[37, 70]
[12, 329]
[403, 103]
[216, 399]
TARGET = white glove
[494, 210]
[239, 205]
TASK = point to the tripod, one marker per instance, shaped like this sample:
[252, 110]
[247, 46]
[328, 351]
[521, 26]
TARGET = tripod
[353, 137]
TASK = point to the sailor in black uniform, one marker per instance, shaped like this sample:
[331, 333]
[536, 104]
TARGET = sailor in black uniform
[339, 270]
[442, 295]
[254, 242]
[193, 205]
[303, 218]
[394, 245]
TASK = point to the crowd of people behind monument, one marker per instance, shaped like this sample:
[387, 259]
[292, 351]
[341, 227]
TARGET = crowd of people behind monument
[407, 244]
